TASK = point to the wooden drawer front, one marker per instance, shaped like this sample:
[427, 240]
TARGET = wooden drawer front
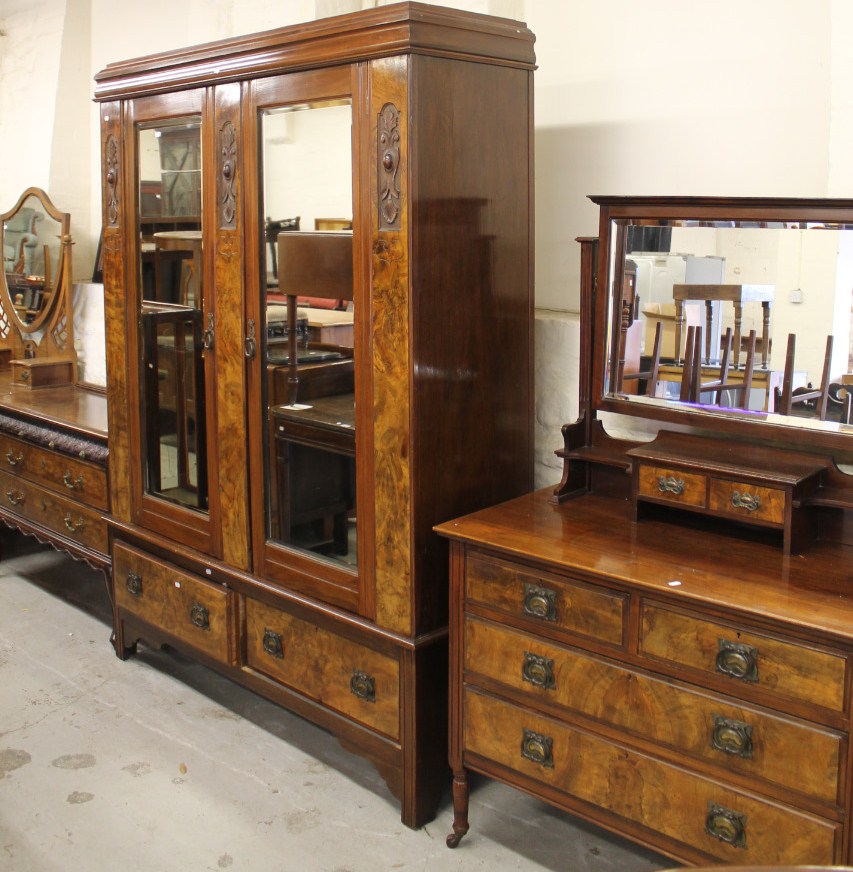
[672, 485]
[666, 799]
[196, 611]
[68, 518]
[546, 600]
[337, 672]
[792, 754]
[84, 482]
[785, 668]
[747, 501]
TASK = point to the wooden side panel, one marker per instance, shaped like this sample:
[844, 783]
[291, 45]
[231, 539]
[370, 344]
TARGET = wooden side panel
[115, 310]
[471, 302]
[391, 364]
[228, 328]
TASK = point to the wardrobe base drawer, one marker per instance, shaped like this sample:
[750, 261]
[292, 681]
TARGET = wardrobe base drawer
[196, 611]
[339, 673]
[721, 822]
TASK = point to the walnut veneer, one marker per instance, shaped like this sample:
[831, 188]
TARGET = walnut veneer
[440, 366]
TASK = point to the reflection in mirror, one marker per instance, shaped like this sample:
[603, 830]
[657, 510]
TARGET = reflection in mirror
[743, 318]
[308, 337]
[170, 277]
[35, 285]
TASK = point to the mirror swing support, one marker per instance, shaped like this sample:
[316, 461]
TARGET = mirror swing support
[787, 475]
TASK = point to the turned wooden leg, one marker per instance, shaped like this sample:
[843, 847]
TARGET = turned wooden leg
[460, 808]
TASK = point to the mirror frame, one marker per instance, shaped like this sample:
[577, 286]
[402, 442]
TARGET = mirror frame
[20, 337]
[837, 439]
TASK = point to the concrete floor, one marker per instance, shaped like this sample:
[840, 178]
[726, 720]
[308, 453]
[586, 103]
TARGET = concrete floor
[160, 764]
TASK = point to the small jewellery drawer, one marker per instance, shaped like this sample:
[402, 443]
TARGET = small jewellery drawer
[84, 482]
[63, 516]
[672, 485]
[337, 672]
[196, 611]
[785, 668]
[546, 600]
[748, 501]
[721, 822]
[790, 753]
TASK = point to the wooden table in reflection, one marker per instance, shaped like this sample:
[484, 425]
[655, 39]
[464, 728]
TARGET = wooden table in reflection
[315, 471]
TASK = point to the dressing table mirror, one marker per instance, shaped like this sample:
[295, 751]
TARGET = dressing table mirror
[719, 343]
[36, 324]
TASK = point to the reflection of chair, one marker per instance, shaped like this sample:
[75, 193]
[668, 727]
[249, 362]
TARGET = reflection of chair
[20, 240]
[692, 386]
[651, 374]
[271, 231]
[810, 402]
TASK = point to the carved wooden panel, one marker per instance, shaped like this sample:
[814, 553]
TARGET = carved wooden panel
[228, 343]
[388, 153]
[391, 363]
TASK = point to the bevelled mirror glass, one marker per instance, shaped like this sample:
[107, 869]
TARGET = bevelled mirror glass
[308, 336]
[731, 312]
[171, 330]
[35, 238]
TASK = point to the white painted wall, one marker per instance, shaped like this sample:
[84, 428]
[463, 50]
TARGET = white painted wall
[659, 97]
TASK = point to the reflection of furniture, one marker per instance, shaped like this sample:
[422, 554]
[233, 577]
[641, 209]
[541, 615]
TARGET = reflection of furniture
[763, 380]
[809, 401]
[737, 295]
[171, 339]
[735, 392]
[442, 362]
[271, 231]
[333, 224]
[185, 246]
[53, 476]
[20, 238]
[315, 471]
[678, 678]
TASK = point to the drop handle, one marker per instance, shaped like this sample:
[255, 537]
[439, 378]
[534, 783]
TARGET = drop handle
[539, 671]
[669, 484]
[14, 459]
[14, 497]
[71, 525]
[540, 602]
[732, 737]
[737, 660]
[538, 748]
[726, 825]
[72, 483]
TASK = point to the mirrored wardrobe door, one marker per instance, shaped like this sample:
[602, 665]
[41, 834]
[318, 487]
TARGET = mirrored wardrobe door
[171, 300]
[307, 346]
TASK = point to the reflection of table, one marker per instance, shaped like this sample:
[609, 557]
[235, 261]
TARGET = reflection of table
[181, 243]
[765, 380]
[315, 471]
[737, 295]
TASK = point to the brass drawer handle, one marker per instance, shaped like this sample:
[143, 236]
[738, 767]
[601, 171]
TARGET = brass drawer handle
[15, 497]
[750, 502]
[200, 617]
[133, 583]
[726, 825]
[13, 460]
[669, 484]
[732, 737]
[73, 483]
[273, 644]
[363, 685]
[539, 671]
[537, 748]
[737, 660]
[71, 525]
[540, 602]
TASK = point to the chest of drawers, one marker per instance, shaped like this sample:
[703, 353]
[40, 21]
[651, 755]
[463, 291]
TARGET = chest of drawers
[53, 469]
[623, 673]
